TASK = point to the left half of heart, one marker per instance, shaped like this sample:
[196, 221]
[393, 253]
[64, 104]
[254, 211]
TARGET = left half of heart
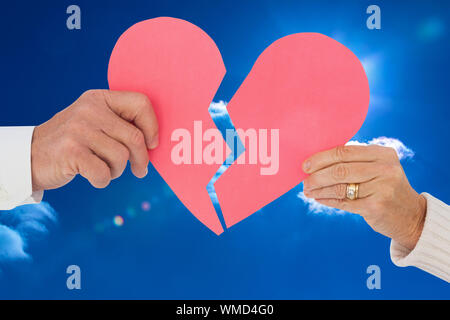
[179, 67]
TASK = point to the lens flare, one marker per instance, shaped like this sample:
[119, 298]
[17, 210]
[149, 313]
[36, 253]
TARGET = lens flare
[431, 29]
[145, 206]
[130, 212]
[118, 221]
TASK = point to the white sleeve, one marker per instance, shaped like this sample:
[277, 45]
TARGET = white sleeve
[15, 168]
[432, 251]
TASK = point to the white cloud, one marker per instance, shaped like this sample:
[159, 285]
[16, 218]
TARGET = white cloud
[21, 225]
[218, 109]
[12, 246]
[403, 152]
[219, 113]
[315, 207]
[210, 186]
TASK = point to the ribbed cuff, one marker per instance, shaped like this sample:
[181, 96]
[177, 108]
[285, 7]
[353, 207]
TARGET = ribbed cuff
[432, 251]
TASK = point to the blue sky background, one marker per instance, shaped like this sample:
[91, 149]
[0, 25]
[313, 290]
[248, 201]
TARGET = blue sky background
[284, 251]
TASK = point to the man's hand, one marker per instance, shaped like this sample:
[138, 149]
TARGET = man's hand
[386, 200]
[94, 137]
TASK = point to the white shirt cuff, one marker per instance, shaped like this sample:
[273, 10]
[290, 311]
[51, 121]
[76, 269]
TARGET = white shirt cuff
[432, 251]
[15, 168]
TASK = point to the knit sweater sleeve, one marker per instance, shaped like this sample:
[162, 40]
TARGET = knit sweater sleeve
[432, 251]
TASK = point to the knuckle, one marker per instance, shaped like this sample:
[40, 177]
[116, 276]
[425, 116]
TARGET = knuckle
[375, 147]
[106, 97]
[389, 150]
[93, 98]
[87, 94]
[387, 153]
[84, 110]
[393, 170]
[391, 153]
[76, 125]
[142, 101]
[340, 171]
[93, 94]
[123, 155]
[341, 152]
[340, 190]
[136, 137]
[70, 145]
[120, 163]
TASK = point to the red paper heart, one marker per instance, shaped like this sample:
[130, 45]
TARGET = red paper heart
[315, 91]
[310, 87]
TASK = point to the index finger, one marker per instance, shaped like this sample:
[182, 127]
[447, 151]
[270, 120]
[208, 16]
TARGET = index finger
[135, 107]
[339, 154]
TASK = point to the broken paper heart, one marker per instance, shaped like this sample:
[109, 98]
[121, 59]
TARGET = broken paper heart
[307, 86]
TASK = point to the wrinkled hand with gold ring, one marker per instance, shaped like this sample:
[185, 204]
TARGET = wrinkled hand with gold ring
[369, 181]
[352, 191]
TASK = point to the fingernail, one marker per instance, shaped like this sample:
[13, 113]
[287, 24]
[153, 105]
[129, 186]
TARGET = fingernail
[144, 175]
[154, 143]
[306, 165]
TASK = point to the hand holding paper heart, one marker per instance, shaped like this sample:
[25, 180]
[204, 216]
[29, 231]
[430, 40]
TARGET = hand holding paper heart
[308, 88]
[94, 137]
[386, 200]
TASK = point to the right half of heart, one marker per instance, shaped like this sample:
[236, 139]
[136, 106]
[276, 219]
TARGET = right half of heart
[305, 93]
